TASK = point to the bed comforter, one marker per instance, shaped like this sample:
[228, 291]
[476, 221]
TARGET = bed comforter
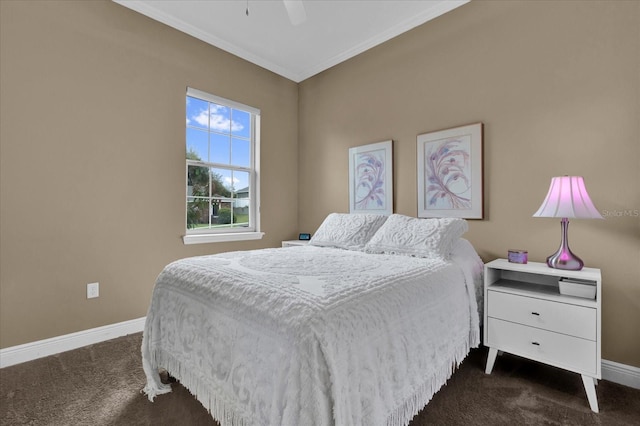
[309, 335]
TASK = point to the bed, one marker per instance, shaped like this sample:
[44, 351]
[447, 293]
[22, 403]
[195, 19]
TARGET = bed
[360, 327]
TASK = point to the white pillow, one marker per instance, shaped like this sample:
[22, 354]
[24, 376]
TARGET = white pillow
[347, 231]
[417, 237]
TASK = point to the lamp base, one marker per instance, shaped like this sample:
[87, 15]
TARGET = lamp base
[564, 257]
[563, 260]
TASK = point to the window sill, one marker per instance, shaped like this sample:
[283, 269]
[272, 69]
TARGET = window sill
[220, 238]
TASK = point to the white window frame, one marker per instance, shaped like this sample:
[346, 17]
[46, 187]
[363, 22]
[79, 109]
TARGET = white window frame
[230, 234]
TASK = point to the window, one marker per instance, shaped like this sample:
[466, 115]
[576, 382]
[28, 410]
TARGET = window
[222, 146]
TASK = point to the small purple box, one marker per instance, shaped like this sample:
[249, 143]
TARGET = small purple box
[518, 256]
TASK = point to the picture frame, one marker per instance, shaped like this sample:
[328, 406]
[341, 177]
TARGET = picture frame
[371, 178]
[450, 172]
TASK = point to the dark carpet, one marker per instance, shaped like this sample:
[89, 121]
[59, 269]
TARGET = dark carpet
[100, 385]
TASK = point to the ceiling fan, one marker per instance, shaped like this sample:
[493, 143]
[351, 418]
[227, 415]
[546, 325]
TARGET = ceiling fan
[295, 10]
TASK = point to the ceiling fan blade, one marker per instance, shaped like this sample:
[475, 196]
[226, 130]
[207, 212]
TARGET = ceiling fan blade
[295, 9]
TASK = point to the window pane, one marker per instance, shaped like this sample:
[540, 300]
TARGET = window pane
[220, 149]
[197, 113]
[198, 204]
[197, 145]
[223, 215]
[241, 125]
[198, 181]
[241, 198]
[220, 120]
[198, 212]
[240, 152]
[241, 187]
[241, 212]
[221, 182]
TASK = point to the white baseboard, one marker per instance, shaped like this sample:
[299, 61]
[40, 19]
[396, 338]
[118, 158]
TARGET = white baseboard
[621, 373]
[55, 345]
[612, 371]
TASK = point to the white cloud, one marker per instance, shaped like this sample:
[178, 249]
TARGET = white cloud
[228, 181]
[217, 120]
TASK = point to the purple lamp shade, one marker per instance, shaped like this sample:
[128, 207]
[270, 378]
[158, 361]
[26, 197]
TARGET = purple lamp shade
[567, 198]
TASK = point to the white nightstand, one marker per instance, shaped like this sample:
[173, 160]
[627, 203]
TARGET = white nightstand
[525, 314]
[291, 243]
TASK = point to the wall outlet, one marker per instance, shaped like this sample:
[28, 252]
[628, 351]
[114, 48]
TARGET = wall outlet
[93, 290]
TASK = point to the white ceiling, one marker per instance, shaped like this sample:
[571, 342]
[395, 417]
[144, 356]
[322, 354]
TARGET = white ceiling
[333, 31]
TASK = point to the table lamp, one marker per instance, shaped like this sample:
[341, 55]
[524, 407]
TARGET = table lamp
[567, 198]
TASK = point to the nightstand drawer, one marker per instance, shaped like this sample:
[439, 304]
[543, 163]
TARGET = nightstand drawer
[563, 351]
[578, 321]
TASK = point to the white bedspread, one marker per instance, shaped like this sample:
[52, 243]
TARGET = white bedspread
[308, 335]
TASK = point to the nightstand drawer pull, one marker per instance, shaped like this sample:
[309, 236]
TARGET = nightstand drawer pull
[535, 343]
[535, 313]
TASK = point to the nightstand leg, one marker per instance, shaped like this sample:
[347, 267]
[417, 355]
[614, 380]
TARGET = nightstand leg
[590, 388]
[491, 359]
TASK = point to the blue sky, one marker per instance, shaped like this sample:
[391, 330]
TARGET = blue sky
[220, 134]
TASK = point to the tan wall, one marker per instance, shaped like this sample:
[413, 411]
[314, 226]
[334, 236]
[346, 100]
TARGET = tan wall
[557, 85]
[92, 159]
[91, 164]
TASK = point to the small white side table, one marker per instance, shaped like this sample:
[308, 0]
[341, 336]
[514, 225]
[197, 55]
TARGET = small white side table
[525, 314]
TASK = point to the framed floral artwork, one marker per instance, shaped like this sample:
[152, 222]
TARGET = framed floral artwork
[450, 173]
[371, 178]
